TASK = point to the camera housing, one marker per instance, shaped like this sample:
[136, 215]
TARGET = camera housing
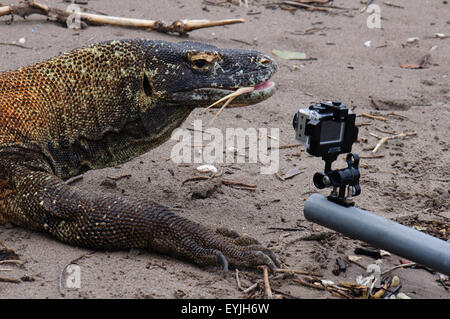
[327, 129]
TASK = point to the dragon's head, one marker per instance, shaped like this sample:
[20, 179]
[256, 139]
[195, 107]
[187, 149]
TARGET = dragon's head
[197, 75]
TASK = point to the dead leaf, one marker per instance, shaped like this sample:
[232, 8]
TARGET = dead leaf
[289, 55]
[291, 173]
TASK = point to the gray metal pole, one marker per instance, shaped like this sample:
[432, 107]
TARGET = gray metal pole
[380, 232]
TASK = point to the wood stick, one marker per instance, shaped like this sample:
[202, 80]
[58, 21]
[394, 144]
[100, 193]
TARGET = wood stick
[279, 176]
[195, 178]
[180, 26]
[228, 182]
[250, 288]
[374, 117]
[356, 263]
[385, 139]
[305, 6]
[12, 261]
[397, 267]
[244, 290]
[282, 146]
[338, 292]
[307, 284]
[5, 10]
[381, 142]
[238, 281]
[267, 290]
[11, 280]
[364, 123]
[16, 45]
[247, 188]
[371, 157]
[393, 5]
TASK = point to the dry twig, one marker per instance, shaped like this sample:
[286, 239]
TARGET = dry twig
[356, 263]
[305, 6]
[12, 261]
[364, 123]
[195, 178]
[389, 4]
[307, 284]
[397, 267]
[385, 139]
[267, 290]
[228, 182]
[282, 147]
[16, 45]
[374, 117]
[370, 157]
[184, 26]
[244, 290]
[11, 280]
[238, 281]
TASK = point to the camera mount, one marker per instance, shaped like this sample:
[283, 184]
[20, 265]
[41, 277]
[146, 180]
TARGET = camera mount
[345, 182]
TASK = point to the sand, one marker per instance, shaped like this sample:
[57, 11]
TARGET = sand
[409, 181]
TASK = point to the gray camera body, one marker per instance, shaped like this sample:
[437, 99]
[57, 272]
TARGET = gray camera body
[326, 129]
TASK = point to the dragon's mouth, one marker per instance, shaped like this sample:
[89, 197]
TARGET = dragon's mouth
[246, 96]
[264, 86]
[249, 95]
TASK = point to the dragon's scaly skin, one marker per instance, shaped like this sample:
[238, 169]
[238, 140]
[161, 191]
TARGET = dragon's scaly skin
[102, 105]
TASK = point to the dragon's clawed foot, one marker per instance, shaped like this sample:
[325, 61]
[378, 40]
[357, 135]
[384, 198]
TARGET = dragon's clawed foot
[225, 247]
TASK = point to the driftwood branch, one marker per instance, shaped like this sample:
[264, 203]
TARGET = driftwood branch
[181, 27]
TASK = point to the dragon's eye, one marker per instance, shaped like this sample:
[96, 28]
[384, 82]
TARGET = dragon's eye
[200, 63]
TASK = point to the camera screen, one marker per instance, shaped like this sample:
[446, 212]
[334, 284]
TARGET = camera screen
[331, 132]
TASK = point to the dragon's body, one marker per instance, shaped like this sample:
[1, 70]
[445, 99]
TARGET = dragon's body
[103, 105]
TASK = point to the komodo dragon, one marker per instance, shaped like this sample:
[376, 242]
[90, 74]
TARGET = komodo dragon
[103, 105]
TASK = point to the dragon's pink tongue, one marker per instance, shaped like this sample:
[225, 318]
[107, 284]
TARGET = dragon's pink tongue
[263, 86]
